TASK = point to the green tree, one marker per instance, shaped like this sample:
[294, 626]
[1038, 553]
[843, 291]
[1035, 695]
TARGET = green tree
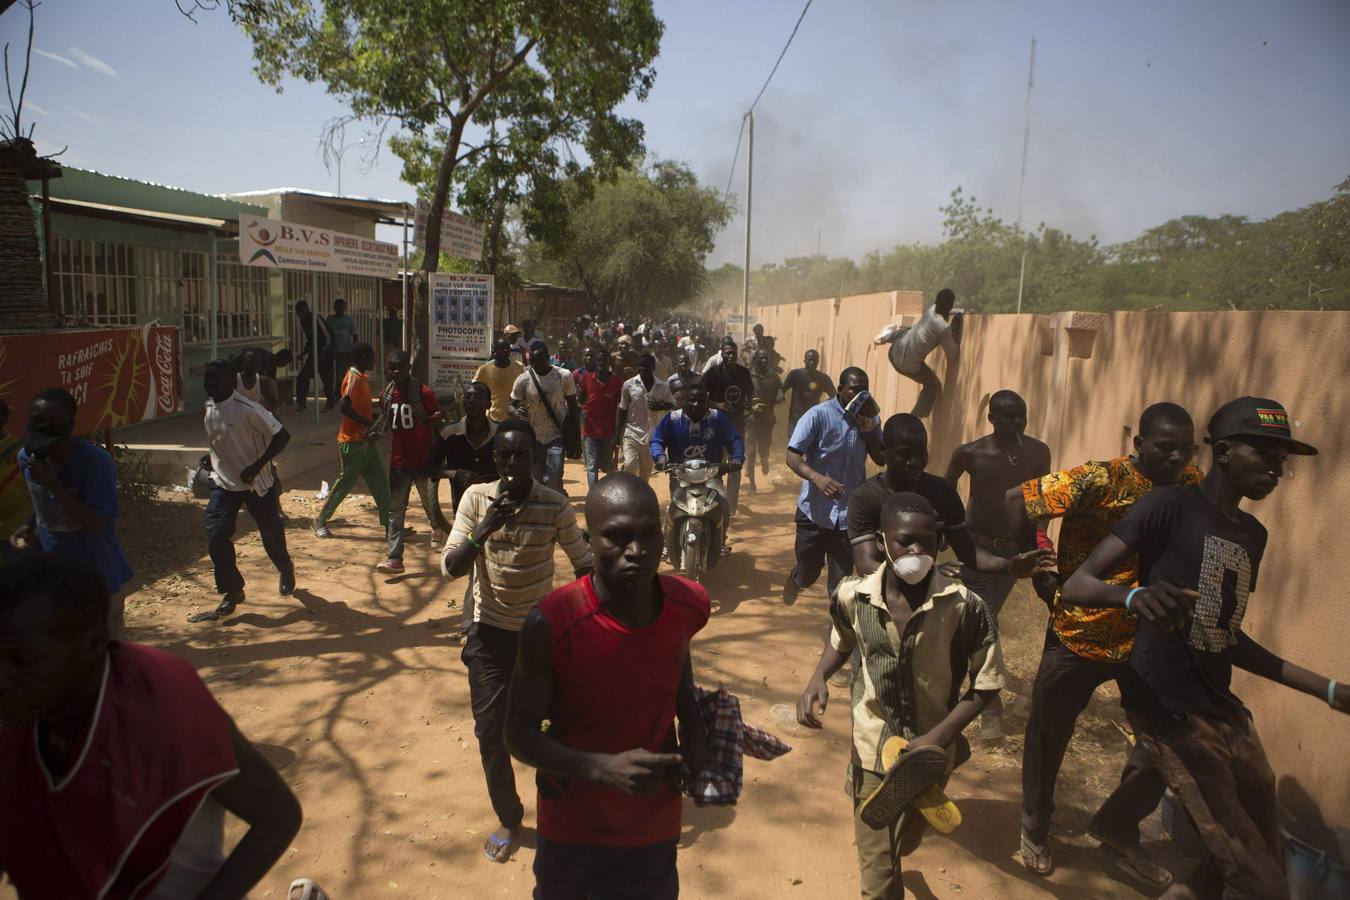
[551, 74]
[638, 242]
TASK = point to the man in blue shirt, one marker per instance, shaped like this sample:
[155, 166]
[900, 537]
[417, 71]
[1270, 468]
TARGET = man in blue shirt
[697, 432]
[343, 329]
[828, 450]
[73, 486]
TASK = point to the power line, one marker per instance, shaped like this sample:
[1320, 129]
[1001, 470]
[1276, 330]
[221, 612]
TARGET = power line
[736, 156]
[780, 56]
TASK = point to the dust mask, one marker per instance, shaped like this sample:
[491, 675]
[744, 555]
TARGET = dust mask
[910, 569]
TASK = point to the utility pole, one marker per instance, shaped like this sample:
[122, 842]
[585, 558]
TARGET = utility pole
[1022, 182]
[749, 183]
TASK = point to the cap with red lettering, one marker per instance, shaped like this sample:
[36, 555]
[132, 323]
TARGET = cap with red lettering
[1255, 417]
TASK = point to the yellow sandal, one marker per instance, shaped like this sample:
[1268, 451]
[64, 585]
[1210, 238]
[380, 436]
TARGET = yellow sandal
[932, 803]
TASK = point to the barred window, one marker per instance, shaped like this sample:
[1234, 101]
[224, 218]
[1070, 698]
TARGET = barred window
[106, 285]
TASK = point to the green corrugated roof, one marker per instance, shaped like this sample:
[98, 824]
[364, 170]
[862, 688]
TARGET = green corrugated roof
[95, 187]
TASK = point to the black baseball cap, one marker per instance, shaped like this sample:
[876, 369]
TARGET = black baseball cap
[1256, 417]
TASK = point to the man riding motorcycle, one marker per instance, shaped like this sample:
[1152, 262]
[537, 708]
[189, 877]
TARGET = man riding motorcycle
[698, 432]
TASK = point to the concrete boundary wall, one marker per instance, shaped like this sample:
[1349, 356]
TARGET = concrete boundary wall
[1086, 377]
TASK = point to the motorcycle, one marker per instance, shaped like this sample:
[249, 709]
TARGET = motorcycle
[696, 524]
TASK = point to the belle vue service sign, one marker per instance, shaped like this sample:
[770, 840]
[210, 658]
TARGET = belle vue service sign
[275, 244]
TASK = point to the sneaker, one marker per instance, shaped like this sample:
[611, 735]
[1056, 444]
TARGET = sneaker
[887, 334]
[390, 567]
[321, 531]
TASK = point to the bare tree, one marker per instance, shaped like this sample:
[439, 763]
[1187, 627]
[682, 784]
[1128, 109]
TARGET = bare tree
[11, 126]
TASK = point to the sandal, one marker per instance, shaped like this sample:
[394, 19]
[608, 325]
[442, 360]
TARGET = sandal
[916, 770]
[1133, 861]
[933, 805]
[494, 846]
[308, 890]
[1038, 860]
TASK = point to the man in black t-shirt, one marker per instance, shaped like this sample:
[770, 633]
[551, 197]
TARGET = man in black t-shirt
[808, 385]
[463, 450]
[463, 456]
[758, 436]
[905, 440]
[730, 389]
[1198, 559]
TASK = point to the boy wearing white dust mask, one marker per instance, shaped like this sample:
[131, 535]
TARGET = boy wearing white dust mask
[921, 636]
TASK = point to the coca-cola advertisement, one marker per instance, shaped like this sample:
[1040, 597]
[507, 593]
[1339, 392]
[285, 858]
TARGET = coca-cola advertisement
[116, 375]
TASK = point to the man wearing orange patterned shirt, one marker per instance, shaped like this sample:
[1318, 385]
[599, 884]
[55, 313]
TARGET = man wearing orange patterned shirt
[1086, 647]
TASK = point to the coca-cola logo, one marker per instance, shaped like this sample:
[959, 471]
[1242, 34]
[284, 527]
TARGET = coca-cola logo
[164, 366]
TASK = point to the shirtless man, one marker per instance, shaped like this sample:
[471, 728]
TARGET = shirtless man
[996, 462]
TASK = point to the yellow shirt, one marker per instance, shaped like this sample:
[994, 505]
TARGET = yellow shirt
[499, 380]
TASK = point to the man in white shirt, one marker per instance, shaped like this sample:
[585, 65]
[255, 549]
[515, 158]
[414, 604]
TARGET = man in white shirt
[546, 396]
[641, 394]
[910, 348]
[244, 439]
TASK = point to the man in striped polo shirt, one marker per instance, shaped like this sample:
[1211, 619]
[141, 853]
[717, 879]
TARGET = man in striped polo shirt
[506, 531]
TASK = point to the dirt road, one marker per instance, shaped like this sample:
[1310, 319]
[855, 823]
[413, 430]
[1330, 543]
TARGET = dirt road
[355, 690]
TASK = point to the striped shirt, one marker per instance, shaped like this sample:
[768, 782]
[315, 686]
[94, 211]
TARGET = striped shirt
[909, 681]
[514, 571]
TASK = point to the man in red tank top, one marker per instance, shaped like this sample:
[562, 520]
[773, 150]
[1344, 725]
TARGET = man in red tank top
[117, 766]
[606, 661]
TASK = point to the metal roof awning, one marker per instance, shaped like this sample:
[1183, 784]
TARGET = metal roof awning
[389, 212]
[151, 216]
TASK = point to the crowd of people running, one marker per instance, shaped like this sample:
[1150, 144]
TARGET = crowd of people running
[592, 684]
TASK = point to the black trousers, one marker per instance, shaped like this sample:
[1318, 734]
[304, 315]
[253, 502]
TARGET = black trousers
[490, 654]
[222, 514]
[1064, 684]
[814, 545]
[305, 377]
[593, 872]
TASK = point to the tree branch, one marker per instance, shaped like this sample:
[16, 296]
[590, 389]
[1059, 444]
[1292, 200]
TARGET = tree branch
[497, 77]
[16, 109]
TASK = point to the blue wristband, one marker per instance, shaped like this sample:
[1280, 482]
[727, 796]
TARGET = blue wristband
[1331, 692]
[1129, 598]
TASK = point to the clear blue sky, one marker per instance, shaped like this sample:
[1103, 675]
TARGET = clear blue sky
[1143, 111]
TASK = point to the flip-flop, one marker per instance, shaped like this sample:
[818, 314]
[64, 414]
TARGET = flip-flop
[1038, 860]
[1133, 862]
[932, 804]
[915, 771]
[308, 890]
[492, 849]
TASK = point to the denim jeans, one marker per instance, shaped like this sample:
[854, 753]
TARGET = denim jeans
[548, 464]
[222, 512]
[815, 546]
[599, 456]
[401, 483]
